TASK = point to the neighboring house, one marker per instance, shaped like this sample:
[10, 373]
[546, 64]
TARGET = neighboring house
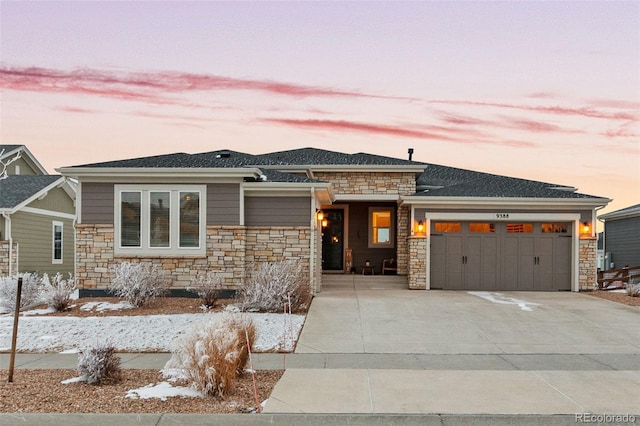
[37, 213]
[225, 211]
[622, 237]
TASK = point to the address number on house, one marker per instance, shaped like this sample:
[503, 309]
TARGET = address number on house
[502, 215]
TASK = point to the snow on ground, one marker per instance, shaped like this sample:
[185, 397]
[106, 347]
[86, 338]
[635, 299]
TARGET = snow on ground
[163, 390]
[143, 333]
[502, 299]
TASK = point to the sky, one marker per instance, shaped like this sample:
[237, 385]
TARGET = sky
[541, 90]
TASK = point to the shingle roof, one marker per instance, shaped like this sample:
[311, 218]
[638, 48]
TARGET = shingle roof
[215, 159]
[631, 211]
[443, 181]
[16, 189]
[436, 181]
[319, 157]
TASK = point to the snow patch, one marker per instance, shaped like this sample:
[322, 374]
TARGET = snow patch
[74, 380]
[163, 390]
[500, 298]
[106, 306]
[142, 333]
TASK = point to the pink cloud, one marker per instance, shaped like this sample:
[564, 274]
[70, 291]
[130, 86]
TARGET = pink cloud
[152, 87]
[75, 110]
[417, 132]
[554, 109]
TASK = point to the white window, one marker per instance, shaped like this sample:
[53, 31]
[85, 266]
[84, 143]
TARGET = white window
[381, 230]
[57, 236]
[160, 220]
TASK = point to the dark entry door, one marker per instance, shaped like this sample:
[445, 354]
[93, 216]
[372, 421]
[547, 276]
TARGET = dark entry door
[333, 241]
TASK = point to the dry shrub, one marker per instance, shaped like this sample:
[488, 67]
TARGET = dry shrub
[137, 283]
[214, 353]
[208, 287]
[57, 291]
[29, 296]
[633, 290]
[100, 364]
[274, 285]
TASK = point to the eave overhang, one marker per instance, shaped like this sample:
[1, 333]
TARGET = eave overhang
[116, 173]
[635, 212]
[503, 202]
[321, 190]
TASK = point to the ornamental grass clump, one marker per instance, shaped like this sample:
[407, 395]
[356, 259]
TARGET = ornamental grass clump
[99, 364]
[138, 283]
[208, 287]
[57, 292]
[30, 294]
[633, 290]
[274, 285]
[214, 353]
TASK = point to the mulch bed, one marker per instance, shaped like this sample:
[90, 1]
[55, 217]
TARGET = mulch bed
[623, 298]
[40, 391]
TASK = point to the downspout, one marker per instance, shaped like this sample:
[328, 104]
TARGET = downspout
[312, 254]
[604, 240]
[7, 228]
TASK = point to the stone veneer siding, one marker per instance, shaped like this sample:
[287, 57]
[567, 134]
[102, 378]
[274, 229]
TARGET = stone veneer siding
[587, 269]
[230, 250]
[379, 183]
[5, 256]
[417, 275]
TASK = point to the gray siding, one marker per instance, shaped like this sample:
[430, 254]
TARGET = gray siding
[56, 200]
[622, 240]
[25, 168]
[223, 204]
[34, 234]
[277, 211]
[97, 203]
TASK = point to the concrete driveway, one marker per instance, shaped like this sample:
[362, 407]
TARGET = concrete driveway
[371, 346]
[360, 314]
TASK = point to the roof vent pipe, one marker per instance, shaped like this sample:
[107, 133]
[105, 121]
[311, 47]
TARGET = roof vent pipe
[410, 153]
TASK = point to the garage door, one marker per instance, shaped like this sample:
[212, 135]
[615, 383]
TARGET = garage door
[501, 256]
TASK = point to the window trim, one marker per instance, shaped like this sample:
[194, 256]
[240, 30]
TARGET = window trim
[174, 248]
[55, 261]
[392, 230]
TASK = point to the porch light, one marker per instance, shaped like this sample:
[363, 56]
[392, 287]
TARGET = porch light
[586, 228]
[420, 227]
[325, 223]
[320, 215]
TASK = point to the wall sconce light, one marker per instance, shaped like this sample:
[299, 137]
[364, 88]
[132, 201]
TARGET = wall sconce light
[420, 227]
[586, 228]
[320, 215]
[325, 223]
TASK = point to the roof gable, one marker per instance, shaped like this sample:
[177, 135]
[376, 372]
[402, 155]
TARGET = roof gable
[9, 151]
[16, 190]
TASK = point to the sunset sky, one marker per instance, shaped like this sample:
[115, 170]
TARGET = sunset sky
[540, 90]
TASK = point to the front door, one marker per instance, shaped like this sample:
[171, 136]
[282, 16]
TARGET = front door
[333, 240]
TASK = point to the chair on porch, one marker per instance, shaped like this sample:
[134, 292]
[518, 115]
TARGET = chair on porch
[389, 265]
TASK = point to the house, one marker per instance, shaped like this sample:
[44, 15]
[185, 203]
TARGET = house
[225, 211]
[622, 237]
[38, 212]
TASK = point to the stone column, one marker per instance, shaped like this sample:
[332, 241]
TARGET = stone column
[588, 269]
[417, 262]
